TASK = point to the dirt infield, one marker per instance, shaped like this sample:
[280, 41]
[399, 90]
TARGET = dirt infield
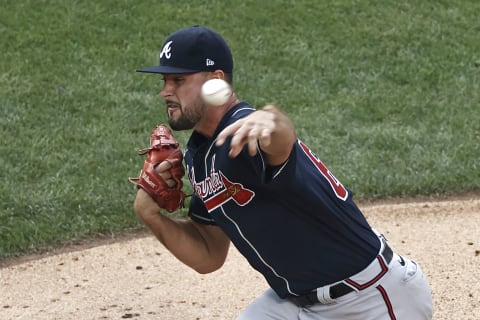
[137, 278]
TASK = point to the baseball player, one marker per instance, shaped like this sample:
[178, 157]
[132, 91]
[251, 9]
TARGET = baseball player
[259, 186]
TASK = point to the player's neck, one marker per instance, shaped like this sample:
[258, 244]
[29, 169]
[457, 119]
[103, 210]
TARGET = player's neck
[213, 115]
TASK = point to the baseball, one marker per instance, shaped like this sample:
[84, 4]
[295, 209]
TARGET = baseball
[216, 92]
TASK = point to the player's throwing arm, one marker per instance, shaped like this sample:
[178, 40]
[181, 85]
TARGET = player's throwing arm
[268, 127]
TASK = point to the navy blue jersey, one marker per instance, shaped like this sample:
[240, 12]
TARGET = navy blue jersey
[295, 223]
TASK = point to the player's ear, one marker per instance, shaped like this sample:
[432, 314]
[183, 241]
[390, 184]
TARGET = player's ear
[217, 74]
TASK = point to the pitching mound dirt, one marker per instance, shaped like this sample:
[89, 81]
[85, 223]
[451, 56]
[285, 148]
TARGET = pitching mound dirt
[138, 278]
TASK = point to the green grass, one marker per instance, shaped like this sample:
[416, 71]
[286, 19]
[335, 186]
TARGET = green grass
[387, 93]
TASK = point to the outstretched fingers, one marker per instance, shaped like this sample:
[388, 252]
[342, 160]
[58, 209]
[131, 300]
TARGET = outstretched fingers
[225, 133]
[255, 128]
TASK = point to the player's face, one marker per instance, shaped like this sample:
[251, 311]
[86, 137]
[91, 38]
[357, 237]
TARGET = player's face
[181, 92]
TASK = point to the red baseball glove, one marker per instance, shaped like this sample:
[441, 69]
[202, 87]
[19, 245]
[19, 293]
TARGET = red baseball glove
[163, 147]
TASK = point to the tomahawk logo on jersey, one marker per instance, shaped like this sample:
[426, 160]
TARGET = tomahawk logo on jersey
[216, 189]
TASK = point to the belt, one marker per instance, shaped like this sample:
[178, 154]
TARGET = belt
[340, 289]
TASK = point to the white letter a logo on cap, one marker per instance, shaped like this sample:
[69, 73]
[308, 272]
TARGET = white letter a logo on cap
[166, 50]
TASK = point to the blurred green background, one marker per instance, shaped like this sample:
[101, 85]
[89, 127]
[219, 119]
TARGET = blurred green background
[387, 93]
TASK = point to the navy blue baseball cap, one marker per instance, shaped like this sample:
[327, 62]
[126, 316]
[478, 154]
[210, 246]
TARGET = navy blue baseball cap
[193, 49]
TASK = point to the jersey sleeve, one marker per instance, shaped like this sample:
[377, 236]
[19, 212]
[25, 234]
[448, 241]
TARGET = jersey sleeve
[271, 172]
[198, 213]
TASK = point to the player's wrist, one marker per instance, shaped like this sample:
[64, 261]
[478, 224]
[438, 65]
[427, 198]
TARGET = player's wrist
[144, 206]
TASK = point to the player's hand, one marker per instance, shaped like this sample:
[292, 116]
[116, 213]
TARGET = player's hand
[163, 170]
[255, 128]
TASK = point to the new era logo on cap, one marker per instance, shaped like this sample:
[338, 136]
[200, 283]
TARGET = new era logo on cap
[191, 50]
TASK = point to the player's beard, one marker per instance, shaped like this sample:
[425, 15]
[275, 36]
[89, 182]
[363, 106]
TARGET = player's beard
[188, 118]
